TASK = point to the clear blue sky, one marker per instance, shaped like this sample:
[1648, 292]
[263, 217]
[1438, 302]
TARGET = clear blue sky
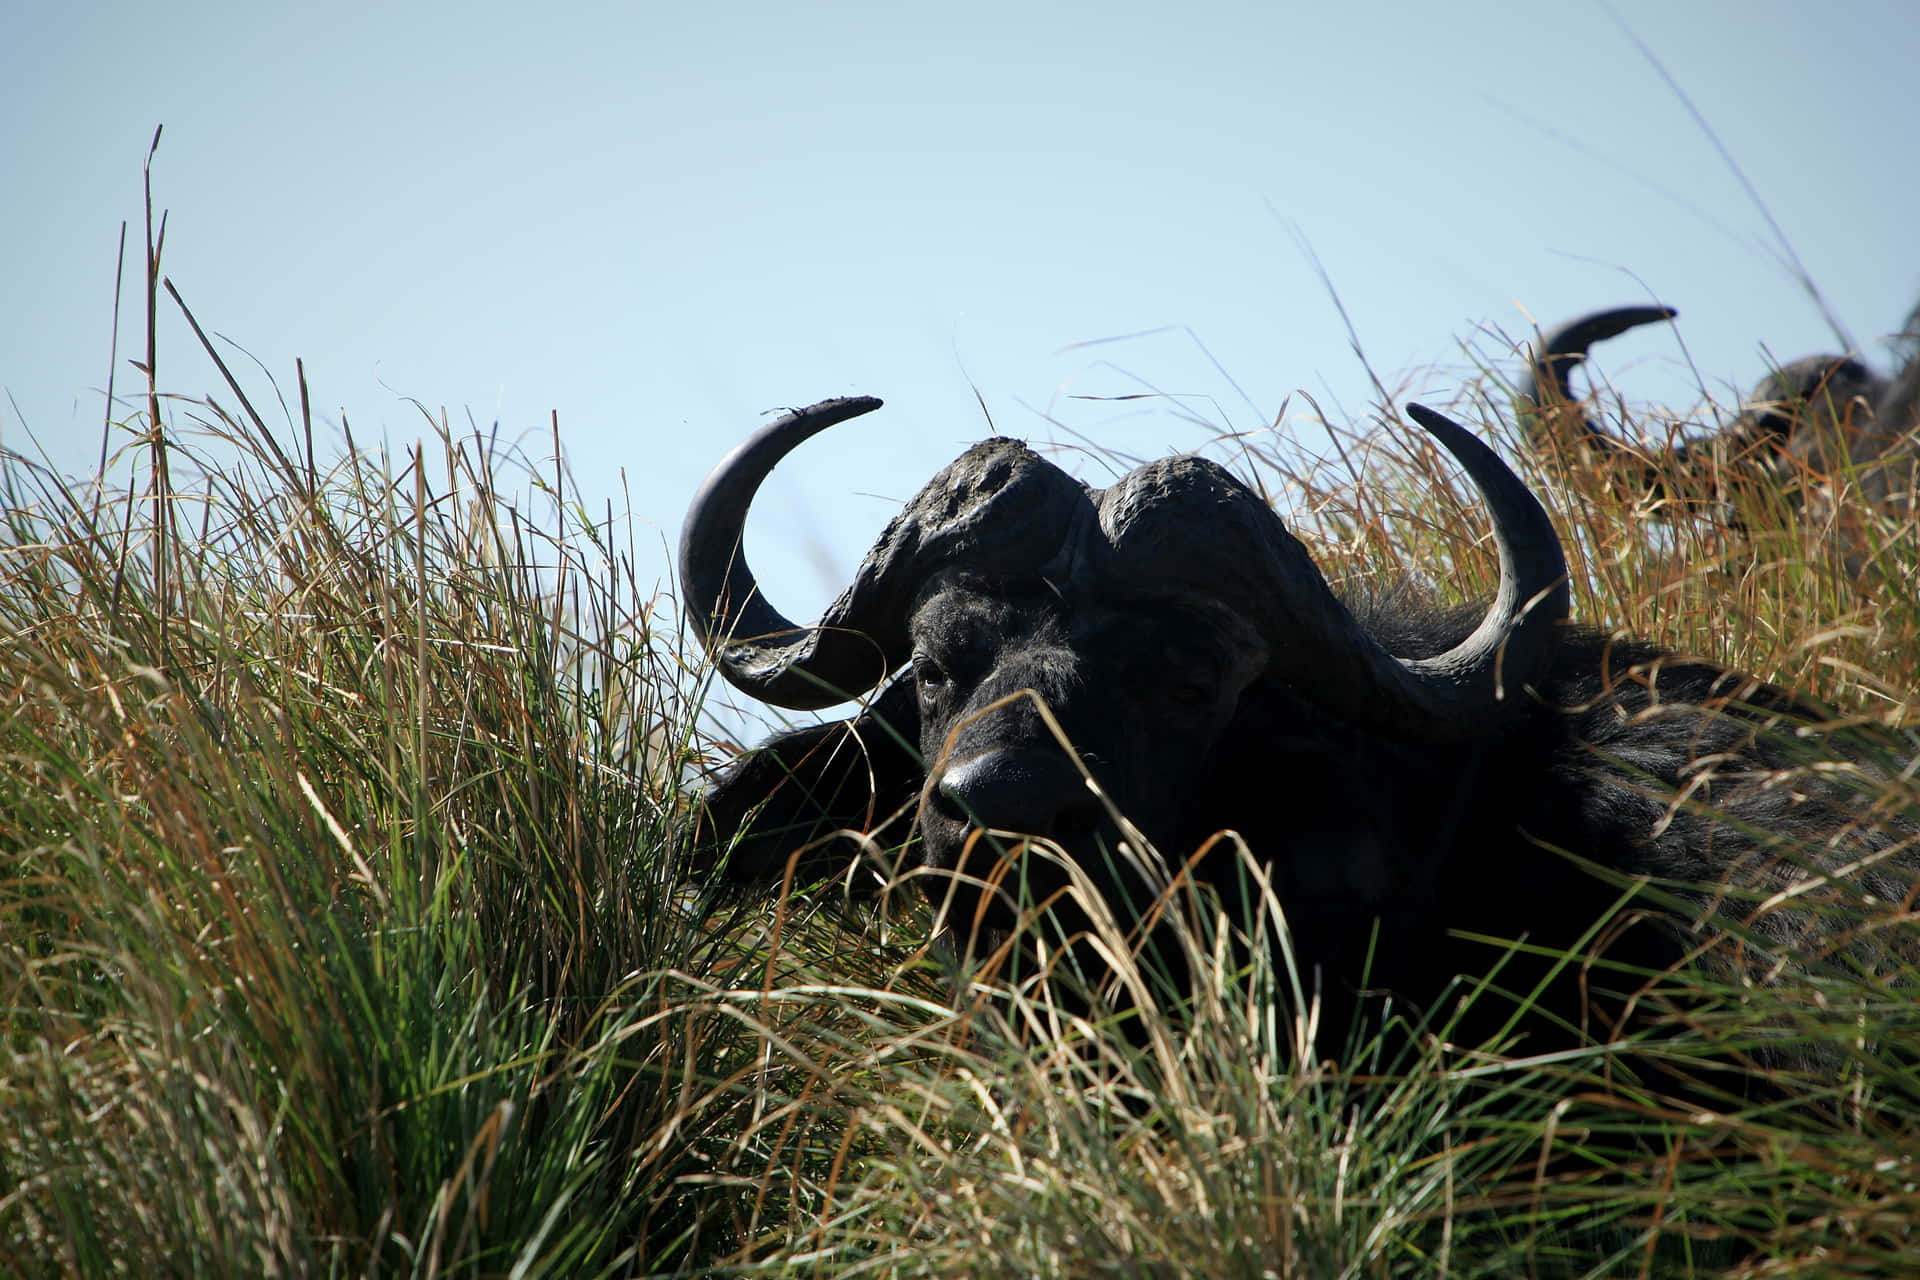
[662, 221]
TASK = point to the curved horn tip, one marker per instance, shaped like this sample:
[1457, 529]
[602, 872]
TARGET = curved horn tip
[1501, 488]
[786, 432]
[1575, 337]
[836, 410]
[1443, 428]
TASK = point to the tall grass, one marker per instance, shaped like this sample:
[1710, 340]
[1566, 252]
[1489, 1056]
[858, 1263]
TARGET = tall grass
[342, 931]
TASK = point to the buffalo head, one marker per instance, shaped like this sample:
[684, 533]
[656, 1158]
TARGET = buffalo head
[1045, 647]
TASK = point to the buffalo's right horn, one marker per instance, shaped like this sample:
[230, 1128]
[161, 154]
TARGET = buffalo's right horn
[998, 509]
[759, 650]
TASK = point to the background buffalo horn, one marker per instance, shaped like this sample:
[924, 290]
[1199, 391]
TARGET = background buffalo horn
[1566, 347]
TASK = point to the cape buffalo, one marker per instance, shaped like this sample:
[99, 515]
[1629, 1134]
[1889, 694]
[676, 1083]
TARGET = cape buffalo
[1409, 774]
[1804, 425]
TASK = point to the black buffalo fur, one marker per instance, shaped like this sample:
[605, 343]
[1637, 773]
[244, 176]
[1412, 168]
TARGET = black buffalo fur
[1626, 761]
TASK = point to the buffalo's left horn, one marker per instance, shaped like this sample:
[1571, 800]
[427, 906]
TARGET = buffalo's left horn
[1452, 696]
[1187, 526]
[1517, 638]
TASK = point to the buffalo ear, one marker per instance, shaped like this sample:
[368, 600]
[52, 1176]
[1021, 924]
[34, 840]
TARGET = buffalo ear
[791, 793]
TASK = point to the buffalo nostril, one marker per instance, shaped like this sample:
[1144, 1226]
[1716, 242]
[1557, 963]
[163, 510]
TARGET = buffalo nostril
[1035, 793]
[1079, 820]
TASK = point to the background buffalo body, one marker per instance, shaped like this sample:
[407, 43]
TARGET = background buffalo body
[1803, 428]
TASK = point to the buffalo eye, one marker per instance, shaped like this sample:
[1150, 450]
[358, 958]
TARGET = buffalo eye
[928, 674]
[1189, 695]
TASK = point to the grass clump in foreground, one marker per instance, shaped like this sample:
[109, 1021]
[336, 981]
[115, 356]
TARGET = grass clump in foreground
[338, 927]
[341, 932]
